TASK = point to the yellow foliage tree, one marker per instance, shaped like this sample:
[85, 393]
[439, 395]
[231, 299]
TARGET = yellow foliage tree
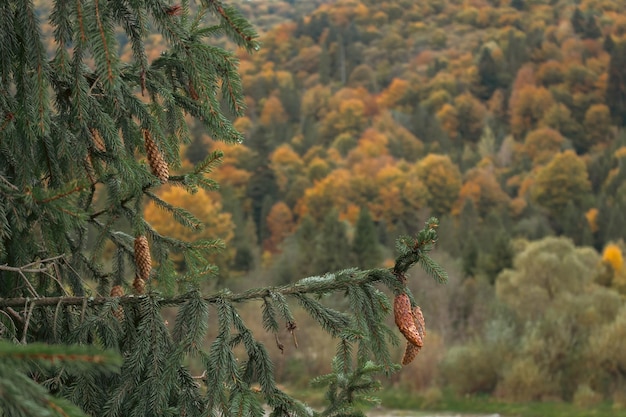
[392, 95]
[563, 180]
[613, 256]
[442, 178]
[542, 144]
[287, 165]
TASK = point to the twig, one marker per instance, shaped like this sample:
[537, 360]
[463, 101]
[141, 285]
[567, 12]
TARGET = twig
[56, 318]
[8, 183]
[16, 316]
[82, 311]
[27, 322]
[200, 376]
[21, 270]
[27, 267]
[58, 196]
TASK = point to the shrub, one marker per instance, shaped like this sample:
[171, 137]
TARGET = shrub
[586, 397]
[470, 369]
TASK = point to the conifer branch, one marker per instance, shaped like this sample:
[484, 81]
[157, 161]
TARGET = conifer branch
[216, 5]
[58, 196]
[327, 283]
[104, 43]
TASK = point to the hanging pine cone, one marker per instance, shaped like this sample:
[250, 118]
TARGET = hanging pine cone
[118, 291]
[155, 158]
[98, 142]
[143, 260]
[404, 319]
[139, 285]
[91, 172]
[411, 350]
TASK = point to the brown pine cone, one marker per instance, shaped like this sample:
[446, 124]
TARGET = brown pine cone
[118, 291]
[143, 260]
[158, 165]
[404, 319]
[139, 285]
[91, 172]
[412, 350]
[98, 142]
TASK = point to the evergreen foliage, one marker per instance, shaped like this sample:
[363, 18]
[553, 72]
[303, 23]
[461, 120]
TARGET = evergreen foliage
[86, 140]
[365, 245]
[616, 87]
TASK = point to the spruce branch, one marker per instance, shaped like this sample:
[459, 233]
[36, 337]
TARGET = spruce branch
[321, 285]
[61, 195]
[412, 251]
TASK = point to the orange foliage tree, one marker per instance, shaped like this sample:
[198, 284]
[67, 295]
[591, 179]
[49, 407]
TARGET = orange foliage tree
[540, 145]
[527, 107]
[481, 186]
[280, 224]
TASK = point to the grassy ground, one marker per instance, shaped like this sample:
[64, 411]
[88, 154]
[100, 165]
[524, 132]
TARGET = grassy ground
[486, 405]
[399, 400]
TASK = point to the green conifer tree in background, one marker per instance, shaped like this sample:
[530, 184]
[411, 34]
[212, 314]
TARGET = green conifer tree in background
[85, 142]
[366, 246]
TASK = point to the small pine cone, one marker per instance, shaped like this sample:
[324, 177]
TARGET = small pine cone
[118, 291]
[139, 285]
[155, 158]
[91, 172]
[98, 142]
[192, 91]
[143, 260]
[404, 319]
[175, 10]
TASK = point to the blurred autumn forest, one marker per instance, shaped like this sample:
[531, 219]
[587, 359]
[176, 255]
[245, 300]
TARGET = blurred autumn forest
[504, 118]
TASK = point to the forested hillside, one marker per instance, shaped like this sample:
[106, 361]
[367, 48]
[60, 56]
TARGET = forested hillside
[504, 118]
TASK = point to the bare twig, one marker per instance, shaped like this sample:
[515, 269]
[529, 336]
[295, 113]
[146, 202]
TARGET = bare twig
[200, 376]
[8, 183]
[56, 318]
[28, 316]
[31, 269]
[16, 316]
[28, 267]
[20, 271]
